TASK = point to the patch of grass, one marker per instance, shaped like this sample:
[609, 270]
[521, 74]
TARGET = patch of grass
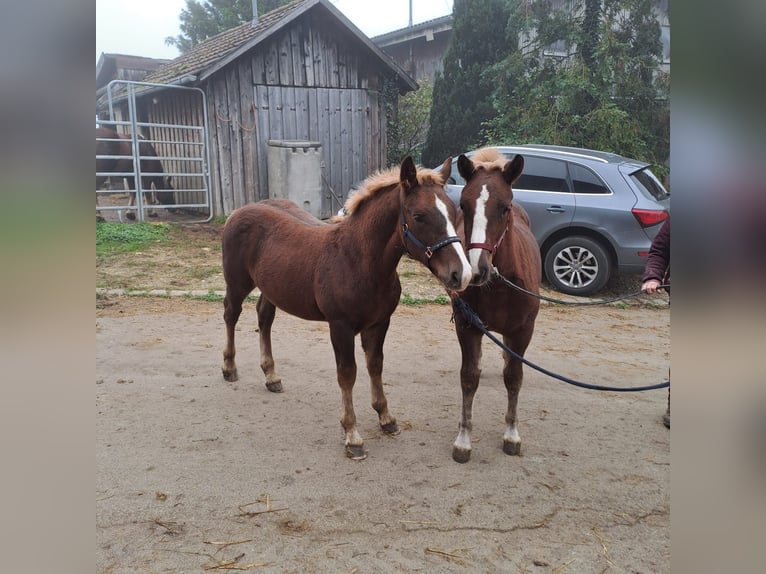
[220, 219]
[113, 238]
[216, 298]
[414, 301]
[211, 297]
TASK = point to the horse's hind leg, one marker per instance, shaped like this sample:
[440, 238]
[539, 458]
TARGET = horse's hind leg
[342, 337]
[372, 343]
[470, 347]
[232, 309]
[512, 377]
[266, 311]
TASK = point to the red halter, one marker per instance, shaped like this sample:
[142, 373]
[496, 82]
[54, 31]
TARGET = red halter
[487, 246]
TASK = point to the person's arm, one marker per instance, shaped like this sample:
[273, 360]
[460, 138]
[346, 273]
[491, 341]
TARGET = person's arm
[658, 260]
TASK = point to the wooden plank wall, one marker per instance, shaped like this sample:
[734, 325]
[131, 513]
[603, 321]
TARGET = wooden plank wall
[308, 84]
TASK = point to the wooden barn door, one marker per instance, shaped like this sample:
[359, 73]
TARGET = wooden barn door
[336, 118]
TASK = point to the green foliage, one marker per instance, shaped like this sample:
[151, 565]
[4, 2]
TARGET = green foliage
[203, 19]
[608, 93]
[113, 238]
[462, 97]
[414, 109]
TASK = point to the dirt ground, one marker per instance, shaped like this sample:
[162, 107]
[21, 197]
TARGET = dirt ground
[196, 474]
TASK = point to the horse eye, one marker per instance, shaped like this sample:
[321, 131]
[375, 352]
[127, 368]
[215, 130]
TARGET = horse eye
[504, 209]
[418, 217]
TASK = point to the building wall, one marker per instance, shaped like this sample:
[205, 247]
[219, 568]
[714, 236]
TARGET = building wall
[310, 83]
[419, 57]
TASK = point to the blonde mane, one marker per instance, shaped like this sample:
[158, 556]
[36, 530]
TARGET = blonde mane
[489, 158]
[386, 179]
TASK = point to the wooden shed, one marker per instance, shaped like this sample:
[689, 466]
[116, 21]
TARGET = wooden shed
[302, 72]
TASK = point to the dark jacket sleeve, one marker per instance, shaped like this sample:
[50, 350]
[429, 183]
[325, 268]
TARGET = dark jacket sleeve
[658, 261]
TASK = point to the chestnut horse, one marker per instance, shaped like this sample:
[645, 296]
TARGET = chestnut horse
[344, 273]
[110, 145]
[497, 234]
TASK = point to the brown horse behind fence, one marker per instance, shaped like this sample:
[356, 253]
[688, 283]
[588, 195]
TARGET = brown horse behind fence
[497, 234]
[110, 145]
[343, 273]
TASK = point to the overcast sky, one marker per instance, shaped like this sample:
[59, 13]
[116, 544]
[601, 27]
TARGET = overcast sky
[139, 27]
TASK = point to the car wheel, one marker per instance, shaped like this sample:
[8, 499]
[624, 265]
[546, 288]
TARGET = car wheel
[577, 266]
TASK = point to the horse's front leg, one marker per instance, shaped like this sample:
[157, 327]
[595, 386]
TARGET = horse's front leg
[470, 348]
[372, 343]
[266, 311]
[512, 377]
[342, 337]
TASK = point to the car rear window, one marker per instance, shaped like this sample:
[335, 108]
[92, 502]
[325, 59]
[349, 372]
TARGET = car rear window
[585, 181]
[647, 181]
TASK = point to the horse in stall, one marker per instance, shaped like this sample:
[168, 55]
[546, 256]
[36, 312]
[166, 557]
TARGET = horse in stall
[343, 273]
[110, 145]
[497, 235]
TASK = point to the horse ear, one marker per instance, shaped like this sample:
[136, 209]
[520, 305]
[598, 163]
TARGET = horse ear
[513, 169]
[446, 169]
[408, 175]
[465, 167]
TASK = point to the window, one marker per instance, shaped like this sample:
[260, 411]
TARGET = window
[646, 180]
[542, 174]
[585, 181]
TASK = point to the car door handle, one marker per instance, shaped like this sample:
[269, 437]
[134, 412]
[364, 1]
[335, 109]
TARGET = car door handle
[555, 209]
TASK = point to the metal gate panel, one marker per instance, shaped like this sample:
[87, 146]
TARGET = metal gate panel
[175, 124]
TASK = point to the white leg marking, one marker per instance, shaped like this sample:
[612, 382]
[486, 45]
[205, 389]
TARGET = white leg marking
[466, 274]
[511, 434]
[479, 229]
[463, 440]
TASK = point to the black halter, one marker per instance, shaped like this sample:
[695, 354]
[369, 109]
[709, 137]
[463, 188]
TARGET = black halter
[429, 250]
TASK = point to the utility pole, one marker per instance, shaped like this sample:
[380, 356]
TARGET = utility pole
[410, 24]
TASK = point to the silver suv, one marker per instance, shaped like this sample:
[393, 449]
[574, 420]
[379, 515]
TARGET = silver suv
[593, 213]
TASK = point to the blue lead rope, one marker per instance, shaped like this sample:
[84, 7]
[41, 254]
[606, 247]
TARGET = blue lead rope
[475, 321]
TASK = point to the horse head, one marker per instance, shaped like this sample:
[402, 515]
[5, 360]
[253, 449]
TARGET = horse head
[428, 224]
[487, 205]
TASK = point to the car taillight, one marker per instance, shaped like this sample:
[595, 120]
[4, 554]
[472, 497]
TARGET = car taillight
[649, 217]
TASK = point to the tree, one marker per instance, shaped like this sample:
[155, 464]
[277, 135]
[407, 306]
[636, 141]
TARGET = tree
[414, 109]
[203, 19]
[462, 95]
[608, 91]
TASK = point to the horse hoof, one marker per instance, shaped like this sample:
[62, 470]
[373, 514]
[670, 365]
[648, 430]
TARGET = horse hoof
[461, 455]
[275, 386]
[511, 448]
[391, 428]
[230, 376]
[355, 452]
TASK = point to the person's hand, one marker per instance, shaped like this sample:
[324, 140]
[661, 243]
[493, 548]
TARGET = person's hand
[650, 286]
